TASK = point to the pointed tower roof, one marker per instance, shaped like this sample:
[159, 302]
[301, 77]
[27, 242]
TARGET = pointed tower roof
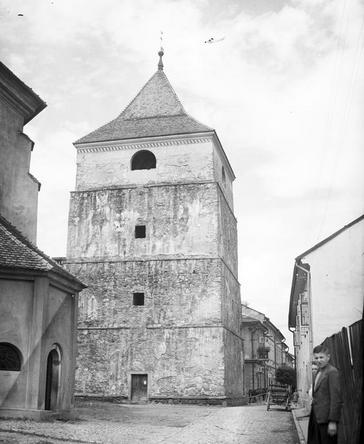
[155, 111]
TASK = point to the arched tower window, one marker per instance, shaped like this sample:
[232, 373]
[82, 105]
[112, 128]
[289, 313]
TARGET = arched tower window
[10, 357]
[143, 160]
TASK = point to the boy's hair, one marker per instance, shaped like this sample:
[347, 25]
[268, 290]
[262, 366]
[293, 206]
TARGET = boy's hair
[321, 349]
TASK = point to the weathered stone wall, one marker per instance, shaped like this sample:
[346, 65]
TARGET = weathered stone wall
[178, 160]
[230, 301]
[228, 245]
[180, 362]
[233, 343]
[176, 337]
[186, 335]
[180, 220]
[177, 292]
[233, 360]
[226, 183]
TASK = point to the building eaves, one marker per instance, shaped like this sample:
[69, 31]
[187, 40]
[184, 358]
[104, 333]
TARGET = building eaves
[17, 93]
[120, 129]
[276, 330]
[253, 309]
[34, 179]
[18, 253]
[299, 282]
[329, 238]
[248, 321]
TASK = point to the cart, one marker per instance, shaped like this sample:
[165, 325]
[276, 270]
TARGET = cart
[278, 395]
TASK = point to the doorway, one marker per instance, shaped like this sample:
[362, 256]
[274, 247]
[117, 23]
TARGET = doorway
[139, 388]
[52, 380]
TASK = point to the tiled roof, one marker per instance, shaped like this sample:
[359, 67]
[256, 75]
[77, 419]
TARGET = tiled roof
[17, 252]
[155, 111]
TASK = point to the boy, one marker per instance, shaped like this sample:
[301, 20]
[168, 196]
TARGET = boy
[326, 402]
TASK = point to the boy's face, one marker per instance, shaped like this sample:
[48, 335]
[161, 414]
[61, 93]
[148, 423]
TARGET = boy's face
[321, 359]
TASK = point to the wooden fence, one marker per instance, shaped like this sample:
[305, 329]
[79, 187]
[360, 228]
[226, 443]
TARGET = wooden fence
[346, 349]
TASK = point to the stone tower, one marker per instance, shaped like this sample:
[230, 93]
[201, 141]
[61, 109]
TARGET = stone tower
[153, 234]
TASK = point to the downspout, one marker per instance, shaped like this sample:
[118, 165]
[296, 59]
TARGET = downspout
[310, 307]
[295, 356]
[310, 340]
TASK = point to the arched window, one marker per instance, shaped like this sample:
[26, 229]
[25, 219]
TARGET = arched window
[143, 160]
[10, 357]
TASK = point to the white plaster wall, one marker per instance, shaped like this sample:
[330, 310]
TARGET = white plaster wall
[303, 366]
[18, 192]
[191, 162]
[16, 299]
[337, 282]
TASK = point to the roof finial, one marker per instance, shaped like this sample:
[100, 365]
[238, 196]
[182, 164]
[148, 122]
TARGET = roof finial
[161, 53]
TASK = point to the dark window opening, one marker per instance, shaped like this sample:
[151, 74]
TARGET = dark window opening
[10, 357]
[139, 231]
[143, 160]
[138, 298]
[223, 175]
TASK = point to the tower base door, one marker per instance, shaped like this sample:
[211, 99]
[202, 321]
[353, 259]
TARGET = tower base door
[139, 387]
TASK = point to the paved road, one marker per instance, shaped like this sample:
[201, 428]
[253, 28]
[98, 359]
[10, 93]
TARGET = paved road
[107, 423]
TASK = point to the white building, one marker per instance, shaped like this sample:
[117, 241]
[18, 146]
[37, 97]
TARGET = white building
[326, 294]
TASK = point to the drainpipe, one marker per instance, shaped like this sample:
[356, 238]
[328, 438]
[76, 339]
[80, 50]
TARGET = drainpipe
[310, 333]
[310, 307]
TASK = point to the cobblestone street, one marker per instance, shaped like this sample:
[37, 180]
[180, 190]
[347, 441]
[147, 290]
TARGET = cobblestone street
[157, 423]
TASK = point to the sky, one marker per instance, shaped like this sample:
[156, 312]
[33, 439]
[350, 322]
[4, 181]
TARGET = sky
[282, 88]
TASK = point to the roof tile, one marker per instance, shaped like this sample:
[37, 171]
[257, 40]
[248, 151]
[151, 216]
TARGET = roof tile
[155, 111]
[17, 252]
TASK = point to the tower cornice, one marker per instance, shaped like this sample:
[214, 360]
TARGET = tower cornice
[150, 142]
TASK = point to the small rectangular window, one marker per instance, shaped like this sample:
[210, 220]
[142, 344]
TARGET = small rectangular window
[139, 231]
[138, 298]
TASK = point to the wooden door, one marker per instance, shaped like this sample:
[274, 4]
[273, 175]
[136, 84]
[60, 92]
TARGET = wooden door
[52, 381]
[139, 387]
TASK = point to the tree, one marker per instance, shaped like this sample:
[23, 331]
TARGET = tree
[286, 375]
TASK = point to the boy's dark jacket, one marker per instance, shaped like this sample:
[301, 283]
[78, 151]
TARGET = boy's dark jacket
[327, 402]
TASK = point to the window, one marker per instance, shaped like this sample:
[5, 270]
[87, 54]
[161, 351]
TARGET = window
[143, 160]
[10, 357]
[263, 352]
[223, 175]
[139, 231]
[138, 298]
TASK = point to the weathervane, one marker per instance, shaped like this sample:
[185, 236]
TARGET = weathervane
[161, 53]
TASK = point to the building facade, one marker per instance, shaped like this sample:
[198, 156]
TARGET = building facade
[38, 298]
[153, 234]
[264, 350]
[326, 295]
[18, 188]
